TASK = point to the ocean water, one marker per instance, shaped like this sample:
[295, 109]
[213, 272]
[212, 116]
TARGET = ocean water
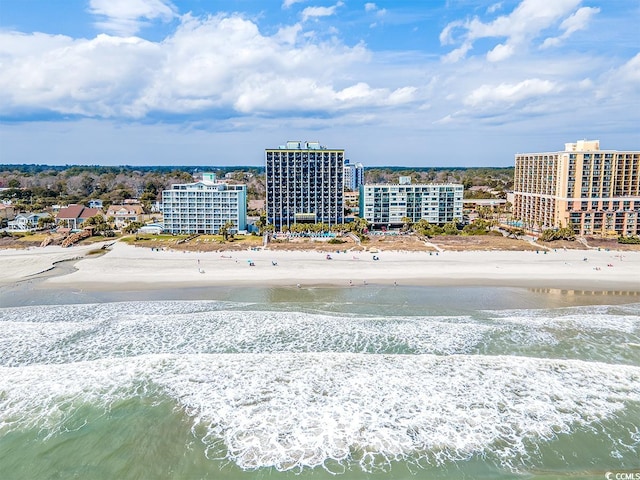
[368, 382]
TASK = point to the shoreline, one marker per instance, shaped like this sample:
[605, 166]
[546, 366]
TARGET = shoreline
[127, 268]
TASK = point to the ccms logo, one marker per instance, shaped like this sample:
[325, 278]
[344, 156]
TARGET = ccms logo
[622, 476]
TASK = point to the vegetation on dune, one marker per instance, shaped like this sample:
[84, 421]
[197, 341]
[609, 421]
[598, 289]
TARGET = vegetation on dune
[564, 233]
[632, 240]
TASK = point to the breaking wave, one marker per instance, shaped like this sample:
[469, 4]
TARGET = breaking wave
[292, 390]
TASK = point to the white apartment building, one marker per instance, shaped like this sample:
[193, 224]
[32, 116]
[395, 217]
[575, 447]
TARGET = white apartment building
[385, 205]
[204, 206]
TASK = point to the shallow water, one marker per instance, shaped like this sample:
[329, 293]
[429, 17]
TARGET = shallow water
[363, 382]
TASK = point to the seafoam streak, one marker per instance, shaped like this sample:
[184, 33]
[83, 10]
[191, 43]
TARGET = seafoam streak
[296, 410]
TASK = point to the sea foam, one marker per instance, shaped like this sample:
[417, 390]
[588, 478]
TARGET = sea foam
[48, 335]
[291, 411]
[299, 389]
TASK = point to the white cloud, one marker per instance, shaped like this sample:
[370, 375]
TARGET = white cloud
[289, 34]
[578, 21]
[506, 93]
[95, 77]
[523, 24]
[289, 3]
[313, 12]
[446, 35]
[495, 7]
[402, 96]
[630, 71]
[621, 83]
[458, 54]
[500, 52]
[372, 7]
[126, 17]
[222, 63]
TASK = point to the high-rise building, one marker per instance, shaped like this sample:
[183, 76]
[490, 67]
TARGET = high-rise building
[386, 205]
[597, 191]
[305, 183]
[353, 175]
[204, 206]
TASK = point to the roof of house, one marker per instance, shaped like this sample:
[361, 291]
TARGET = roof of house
[77, 211]
[125, 210]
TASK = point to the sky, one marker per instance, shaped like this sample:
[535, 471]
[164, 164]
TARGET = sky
[423, 83]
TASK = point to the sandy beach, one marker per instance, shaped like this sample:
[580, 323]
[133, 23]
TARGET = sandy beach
[125, 267]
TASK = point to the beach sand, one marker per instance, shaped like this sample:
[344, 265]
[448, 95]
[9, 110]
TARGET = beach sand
[125, 267]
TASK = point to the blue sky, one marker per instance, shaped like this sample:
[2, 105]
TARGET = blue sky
[412, 83]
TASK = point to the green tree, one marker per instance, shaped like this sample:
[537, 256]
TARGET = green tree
[45, 222]
[478, 227]
[132, 227]
[360, 226]
[226, 230]
[147, 198]
[451, 228]
[100, 225]
[406, 224]
[261, 223]
[563, 233]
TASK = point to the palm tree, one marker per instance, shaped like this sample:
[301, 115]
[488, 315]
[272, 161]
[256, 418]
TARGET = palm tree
[261, 223]
[225, 230]
[360, 226]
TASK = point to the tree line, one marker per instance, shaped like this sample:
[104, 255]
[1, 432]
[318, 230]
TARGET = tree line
[37, 187]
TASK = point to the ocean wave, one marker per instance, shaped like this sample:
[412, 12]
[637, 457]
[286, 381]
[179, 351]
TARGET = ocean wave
[121, 331]
[67, 334]
[597, 318]
[306, 410]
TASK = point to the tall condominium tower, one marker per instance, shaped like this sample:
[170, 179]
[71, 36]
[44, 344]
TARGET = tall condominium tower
[598, 191]
[304, 184]
[353, 175]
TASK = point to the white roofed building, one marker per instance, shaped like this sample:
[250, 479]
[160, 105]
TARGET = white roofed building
[204, 206]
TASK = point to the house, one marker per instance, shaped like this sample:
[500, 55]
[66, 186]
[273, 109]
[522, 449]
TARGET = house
[7, 213]
[125, 214]
[26, 222]
[73, 215]
[95, 203]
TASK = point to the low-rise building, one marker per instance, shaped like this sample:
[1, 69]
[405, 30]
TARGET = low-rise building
[125, 214]
[7, 213]
[204, 206]
[26, 222]
[72, 216]
[351, 204]
[386, 205]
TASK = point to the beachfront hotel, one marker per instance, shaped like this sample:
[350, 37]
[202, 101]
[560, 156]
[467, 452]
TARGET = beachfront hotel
[386, 205]
[304, 184]
[597, 191]
[204, 206]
